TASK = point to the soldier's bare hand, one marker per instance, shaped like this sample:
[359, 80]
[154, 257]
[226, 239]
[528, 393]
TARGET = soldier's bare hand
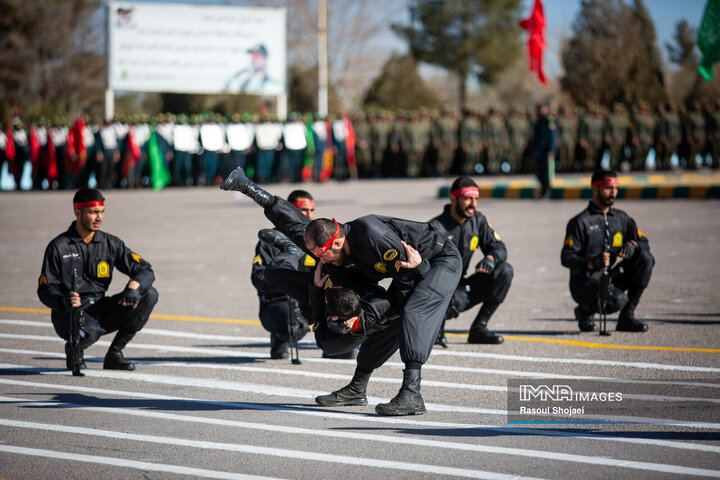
[75, 300]
[413, 257]
[319, 279]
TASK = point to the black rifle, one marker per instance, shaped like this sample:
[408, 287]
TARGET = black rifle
[606, 285]
[293, 316]
[77, 322]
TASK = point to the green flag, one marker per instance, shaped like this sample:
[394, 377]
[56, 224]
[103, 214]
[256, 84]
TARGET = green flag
[158, 170]
[708, 38]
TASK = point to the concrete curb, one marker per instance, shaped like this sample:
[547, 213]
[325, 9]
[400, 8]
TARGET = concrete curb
[703, 186]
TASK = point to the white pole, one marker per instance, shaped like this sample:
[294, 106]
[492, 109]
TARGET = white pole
[109, 92]
[322, 59]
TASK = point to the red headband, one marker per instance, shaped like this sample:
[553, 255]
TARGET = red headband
[606, 181]
[473, 192]
[320, 250]
[94, 203]
[305, 203]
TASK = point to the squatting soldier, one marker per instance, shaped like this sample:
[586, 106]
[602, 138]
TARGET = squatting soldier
[594, 239]
[497, 141]
[567, 130]
[519, 129]
[669, 136]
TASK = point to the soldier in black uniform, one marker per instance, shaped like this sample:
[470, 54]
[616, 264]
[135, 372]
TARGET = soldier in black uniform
[94, 254]
[469, 229]
[424, 267]
[275, 305]
[595, 239]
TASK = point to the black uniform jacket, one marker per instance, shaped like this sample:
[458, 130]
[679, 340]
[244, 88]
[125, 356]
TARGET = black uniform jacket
[94, 263]
[375, 245]
[473, 233]
[264, 255]
[586, 237]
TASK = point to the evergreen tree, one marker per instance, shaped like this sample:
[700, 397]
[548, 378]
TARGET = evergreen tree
[466, 37]
[399, 87]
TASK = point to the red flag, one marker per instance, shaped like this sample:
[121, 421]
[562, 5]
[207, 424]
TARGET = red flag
[34, 146]
[10, 147]
[350, 139]
[132, 154]
[535, 26]
[52, 171]
[76, 151]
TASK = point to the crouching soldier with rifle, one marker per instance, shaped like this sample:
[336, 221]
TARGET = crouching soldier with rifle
[594, 240]
[77, 271]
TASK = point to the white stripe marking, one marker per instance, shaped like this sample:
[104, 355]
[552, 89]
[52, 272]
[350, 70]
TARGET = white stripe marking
[344, 416]
[313, 456]
[119, 462]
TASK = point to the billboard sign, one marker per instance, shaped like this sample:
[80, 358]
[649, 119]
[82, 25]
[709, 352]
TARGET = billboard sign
[156, 47]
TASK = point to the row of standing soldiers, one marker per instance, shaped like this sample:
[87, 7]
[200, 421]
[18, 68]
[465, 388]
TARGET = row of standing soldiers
[422, 144]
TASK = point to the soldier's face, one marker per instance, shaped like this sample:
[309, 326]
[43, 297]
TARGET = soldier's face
[465, 206]
[308, 211]
[90, 218]
[605, 195]
[334, 255]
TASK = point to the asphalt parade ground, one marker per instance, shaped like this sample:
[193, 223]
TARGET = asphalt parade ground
[206, 401]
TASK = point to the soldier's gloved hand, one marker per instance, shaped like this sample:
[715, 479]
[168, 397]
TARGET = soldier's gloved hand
[627, 250]
[130, 297]
[486, 265]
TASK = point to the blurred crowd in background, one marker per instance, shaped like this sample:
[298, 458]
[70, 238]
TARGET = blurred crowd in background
[181, 150]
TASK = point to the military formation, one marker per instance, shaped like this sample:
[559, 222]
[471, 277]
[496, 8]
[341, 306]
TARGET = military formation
[203, 149]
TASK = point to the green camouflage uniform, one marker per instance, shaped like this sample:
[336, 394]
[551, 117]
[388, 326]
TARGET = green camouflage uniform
[696, 135]
[471, 141]
[669, 137]
[519, 131]
[498, 143]
[618, 129]
[643, 136]
[567, 125]
[445, 137]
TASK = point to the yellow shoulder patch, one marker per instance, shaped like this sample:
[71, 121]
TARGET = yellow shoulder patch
[497, 236]
[474, 242]
[309, 261]
[103, 270]
[617, 240]
[257, 260]
[640, 234]
[569, 242]
[136, 257]
[42, 280]
[390, 254]
[380, 267]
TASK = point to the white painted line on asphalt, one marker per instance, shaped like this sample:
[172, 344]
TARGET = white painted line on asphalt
[209, 351]
[120, 462]
[527, 453]
[313, 456]
[346, 378]
[437, 352]
[271, 390]
[324, 413]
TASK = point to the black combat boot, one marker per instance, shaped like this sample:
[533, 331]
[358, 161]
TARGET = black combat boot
[352, 394]
[68, 357]
[626, 320]
[408, 401]
[114, 359]
[237, 180]
[586, 323]
[278, 348]
[441, 338]
[478, 330]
